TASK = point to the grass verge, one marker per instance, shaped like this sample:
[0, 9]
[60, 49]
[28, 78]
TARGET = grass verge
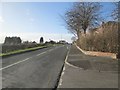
[21, 51]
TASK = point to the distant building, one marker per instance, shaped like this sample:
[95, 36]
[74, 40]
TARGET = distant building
[62, 42]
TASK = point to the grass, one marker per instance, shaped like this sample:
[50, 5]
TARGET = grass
[27, 49]
[22, 50]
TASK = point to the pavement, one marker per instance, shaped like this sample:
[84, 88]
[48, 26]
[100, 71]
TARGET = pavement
[83, 71]
[36, 69]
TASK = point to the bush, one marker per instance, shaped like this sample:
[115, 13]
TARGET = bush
[104, 38]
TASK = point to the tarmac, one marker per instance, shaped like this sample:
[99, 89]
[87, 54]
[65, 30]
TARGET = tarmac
[84, 71]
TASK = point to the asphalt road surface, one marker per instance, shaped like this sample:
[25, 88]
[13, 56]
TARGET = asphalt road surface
[36, 69]
[90, 72]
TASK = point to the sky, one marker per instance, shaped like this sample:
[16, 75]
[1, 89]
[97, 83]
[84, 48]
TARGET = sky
[32, 20]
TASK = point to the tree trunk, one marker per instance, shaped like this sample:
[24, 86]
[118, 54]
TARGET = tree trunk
[78, 35]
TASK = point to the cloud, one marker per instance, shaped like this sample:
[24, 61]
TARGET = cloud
[36, 36]
[28, 12]
[32, 19]
[1, 19]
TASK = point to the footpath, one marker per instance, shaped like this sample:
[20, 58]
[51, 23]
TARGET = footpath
[84, 71]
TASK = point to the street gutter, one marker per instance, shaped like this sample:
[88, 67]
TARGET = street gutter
[60, 74]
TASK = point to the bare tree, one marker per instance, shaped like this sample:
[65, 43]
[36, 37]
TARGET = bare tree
[116, 17]
[82, 16]
[73, 39]
[115, 11]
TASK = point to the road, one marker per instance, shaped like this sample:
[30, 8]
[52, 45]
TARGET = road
[36, 69]
[84, 71]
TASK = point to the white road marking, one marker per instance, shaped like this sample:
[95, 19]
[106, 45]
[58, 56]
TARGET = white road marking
[64, 69]
[60, 82]
[14, 63]
[63, 73]
[51, 50]
[67, 48]
[69, 63]
[41, 53]
[25, 59]
[72, 65]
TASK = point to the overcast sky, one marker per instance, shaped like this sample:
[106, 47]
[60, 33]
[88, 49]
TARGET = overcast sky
[31, 20]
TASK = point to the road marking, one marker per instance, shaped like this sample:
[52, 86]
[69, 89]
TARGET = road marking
[46, 51]
[69, 63]
[26, 59]
[14, 64]
[63, 72]
[64, 69]
[51, 49]
[21, 61]
[41, 53]
[67, 48]
[60, 83]
[72, 65]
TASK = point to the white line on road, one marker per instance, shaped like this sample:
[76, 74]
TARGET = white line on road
[63, 72]
[46, 52]
[51, 50]
[21, 61]
[67, 48]
[41, 53]
[69, 63]
[14, 63]
[25, 59]
[60, 82]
